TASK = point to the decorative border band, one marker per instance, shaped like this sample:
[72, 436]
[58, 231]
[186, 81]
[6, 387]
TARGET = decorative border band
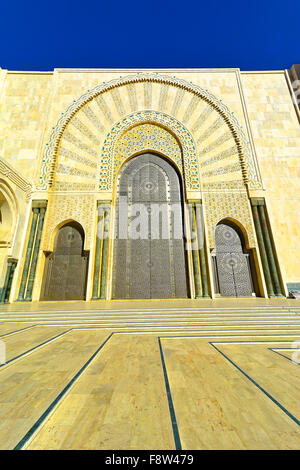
[246, 158]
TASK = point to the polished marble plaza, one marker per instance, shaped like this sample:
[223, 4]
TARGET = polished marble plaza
[219, 374]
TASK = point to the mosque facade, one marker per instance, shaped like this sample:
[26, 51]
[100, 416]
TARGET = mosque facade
[149, 184]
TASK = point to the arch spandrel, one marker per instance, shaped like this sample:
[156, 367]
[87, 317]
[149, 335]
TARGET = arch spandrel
[145, 137]
[232, 206]
[74, 207]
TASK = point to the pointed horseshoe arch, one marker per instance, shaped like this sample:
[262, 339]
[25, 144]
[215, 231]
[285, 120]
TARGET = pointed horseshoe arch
[234, 272]
[65, 273]
[169, 136]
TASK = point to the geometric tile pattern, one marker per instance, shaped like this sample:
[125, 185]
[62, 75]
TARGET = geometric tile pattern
[146, 137]
[120, 145]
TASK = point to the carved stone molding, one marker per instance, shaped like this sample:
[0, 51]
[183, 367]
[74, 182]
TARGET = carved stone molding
[14, 176]
[248, 168]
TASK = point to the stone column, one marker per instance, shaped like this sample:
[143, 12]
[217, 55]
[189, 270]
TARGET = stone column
[201, 244]
[101, 254]
[11, 266]
[35, 214]
[104, 260]
[195, 254]
[262, 249]
[99, 239]
[36, 249]
[269, 250]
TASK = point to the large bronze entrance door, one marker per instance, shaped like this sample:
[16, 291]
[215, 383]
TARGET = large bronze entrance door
[233, 268]
[149, 254]
[66, 267]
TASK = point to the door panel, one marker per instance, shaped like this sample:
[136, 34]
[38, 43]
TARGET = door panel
[67, 267]
[232, 263]
[145, 265]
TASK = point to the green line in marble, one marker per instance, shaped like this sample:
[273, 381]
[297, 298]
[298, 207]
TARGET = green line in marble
[174, 423]
[55, 402]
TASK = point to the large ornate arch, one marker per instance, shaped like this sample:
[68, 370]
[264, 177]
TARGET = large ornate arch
[187, 162]
[247, 162]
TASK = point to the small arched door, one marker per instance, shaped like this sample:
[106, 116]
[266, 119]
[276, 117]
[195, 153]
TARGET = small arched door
[66, 267]
[232, 263]
[149, 252]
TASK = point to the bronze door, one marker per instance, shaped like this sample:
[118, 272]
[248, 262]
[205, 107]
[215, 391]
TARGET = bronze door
[149, 255]
[232, 263]
[67, 267]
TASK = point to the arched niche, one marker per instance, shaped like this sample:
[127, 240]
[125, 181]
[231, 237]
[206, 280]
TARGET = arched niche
[66, 267]
[234, 269]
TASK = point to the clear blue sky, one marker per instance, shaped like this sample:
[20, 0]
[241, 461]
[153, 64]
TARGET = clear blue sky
[252, 35]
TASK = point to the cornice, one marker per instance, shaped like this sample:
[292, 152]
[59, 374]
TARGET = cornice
[146, 70]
